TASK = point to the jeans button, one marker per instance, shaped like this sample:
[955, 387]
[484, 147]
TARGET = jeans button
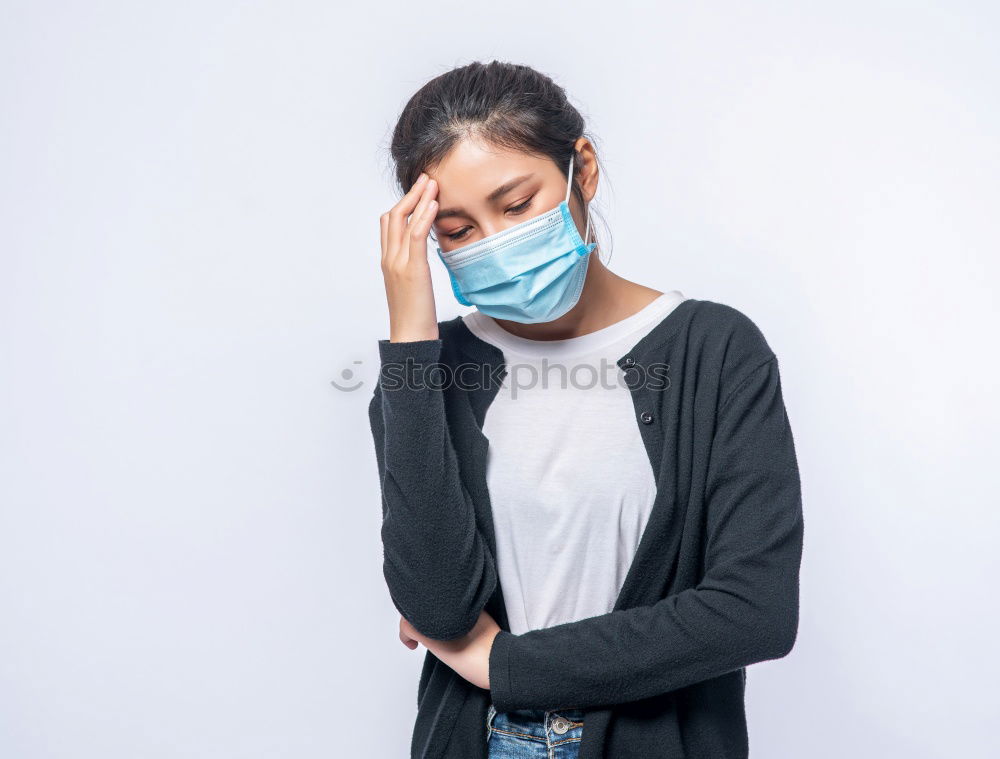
[560, 725]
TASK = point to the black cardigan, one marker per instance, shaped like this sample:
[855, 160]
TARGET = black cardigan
[713, 587]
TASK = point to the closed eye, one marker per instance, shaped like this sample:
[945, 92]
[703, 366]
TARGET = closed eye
[515, 210]
[521, 208]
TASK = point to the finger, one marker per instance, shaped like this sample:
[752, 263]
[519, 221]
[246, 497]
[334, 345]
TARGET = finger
[419, 228]
[412, 226]
[402, 209]
[429, 194]
[407, 641]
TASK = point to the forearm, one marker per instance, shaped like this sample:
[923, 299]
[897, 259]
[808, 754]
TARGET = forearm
[636, 653]
[743, 610]
[437, 566]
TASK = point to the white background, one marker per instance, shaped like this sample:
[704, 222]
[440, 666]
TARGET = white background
[190, 562]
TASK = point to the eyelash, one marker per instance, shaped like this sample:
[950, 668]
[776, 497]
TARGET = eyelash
[521, 208]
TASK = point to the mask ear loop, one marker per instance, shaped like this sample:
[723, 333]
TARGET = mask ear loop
[569, 182]
[569, 187]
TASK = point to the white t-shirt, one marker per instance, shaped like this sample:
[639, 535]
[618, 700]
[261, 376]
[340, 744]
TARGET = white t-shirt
[570, 482]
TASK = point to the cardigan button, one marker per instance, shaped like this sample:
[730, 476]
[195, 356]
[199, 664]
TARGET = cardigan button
[646, 417]
[629, 362]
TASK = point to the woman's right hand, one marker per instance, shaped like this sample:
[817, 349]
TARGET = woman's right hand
[407, 274]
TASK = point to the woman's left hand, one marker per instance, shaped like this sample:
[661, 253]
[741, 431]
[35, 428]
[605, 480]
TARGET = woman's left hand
[469, 655]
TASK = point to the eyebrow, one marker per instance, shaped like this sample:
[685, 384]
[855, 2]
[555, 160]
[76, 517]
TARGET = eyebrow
[500, 191]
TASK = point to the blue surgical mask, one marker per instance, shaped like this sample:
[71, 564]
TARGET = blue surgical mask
[531, 272]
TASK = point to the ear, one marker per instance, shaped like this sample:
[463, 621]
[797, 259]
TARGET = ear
[586, 168]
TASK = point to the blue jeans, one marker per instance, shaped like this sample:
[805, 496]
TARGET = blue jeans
[534, 733]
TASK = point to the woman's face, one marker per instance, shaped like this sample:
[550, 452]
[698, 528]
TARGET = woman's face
[483, 190]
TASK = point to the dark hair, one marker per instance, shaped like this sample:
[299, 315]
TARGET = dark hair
[503, 104]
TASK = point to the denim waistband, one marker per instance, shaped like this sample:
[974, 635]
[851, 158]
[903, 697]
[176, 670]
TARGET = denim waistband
[546, 725]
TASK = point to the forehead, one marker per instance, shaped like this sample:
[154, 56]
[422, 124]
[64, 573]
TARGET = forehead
[471, 170]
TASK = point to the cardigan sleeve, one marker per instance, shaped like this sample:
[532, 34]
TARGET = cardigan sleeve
[744, 610]
[437, 565]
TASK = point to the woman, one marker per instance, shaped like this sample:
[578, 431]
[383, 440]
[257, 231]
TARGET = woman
[592, 564]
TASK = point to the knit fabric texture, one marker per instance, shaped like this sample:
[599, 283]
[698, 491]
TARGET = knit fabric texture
[713, 587]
